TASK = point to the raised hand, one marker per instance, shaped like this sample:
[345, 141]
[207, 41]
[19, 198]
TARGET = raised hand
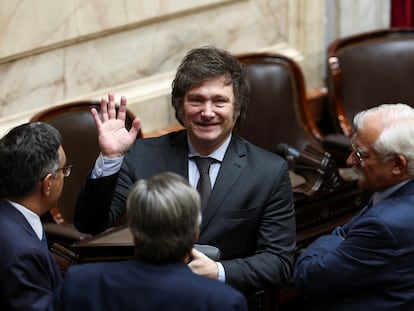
[113, 138]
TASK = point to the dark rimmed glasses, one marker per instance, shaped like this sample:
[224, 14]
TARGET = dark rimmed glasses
[65, 170]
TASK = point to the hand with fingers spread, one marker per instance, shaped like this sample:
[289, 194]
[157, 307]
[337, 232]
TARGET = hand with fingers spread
[113, 138]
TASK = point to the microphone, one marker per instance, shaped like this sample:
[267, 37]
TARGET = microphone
[284, 150]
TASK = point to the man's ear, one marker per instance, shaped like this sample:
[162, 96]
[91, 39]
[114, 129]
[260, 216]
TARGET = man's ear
[237, 114]
[400, 165]
[46, 185]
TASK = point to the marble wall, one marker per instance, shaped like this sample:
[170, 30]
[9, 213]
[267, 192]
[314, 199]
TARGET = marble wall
[56, 51]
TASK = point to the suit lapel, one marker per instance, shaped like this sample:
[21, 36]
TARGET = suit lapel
[232, 166]
[176, 158]
[406, 189]
[21, 221]
[17, 217]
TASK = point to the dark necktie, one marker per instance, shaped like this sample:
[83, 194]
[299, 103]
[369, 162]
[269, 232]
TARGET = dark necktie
[204, 184]
[44, 240]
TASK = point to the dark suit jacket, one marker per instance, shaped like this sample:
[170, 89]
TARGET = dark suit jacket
[371, 267]
[249, 216]
[137, 285]
[28, 274]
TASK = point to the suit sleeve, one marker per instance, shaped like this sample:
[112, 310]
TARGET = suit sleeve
[73, 292]
[272, 262]
[30, 285]
[93, 206]
[102, 201]
[333, 265]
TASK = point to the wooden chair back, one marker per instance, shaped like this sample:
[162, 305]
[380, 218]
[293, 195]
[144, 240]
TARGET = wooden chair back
[367, 70]
[277, 111]
[77, 127]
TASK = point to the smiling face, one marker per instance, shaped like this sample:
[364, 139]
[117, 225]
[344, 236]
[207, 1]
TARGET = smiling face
[209, 114]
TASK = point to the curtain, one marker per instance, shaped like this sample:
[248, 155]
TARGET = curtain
[402, 13]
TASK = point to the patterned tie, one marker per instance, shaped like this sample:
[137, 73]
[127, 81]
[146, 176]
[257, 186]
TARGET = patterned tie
[204, 184]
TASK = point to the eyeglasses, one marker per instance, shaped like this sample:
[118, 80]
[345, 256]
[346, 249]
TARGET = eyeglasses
[359, 154]
[65, 170]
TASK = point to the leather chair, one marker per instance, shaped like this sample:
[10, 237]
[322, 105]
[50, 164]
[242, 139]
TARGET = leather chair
[278, 111]
[80, 141]
[279, 119]
[278, 114]
[367, 70]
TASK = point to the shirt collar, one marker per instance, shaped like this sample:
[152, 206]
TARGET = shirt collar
[378, 197]
[32, 218]
[217, 154]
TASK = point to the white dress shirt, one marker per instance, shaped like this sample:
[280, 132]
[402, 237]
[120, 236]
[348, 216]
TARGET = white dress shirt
[32, 218]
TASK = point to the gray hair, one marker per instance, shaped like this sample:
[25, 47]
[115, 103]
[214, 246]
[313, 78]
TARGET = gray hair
[397, 134]
[163, 216]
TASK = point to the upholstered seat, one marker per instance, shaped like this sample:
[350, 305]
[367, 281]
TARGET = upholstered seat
[80, 141]
[277, 112]
[279, 119]
[367, 70]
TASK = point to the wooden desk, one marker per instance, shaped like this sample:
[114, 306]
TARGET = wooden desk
[117, 244]
[113, 244]
[315, 215]
[321, 213]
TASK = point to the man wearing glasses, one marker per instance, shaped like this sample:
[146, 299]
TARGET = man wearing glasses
[367, 264]
[32, 172]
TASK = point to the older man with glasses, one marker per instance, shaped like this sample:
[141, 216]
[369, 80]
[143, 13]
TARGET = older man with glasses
[367, 264]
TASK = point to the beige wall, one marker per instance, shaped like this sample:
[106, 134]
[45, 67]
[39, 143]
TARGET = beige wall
[55, 51]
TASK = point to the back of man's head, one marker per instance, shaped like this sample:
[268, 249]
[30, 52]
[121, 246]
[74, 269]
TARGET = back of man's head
[28, 152]
[164, 217]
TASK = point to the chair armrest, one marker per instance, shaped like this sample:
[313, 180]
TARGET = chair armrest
[64, 234]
